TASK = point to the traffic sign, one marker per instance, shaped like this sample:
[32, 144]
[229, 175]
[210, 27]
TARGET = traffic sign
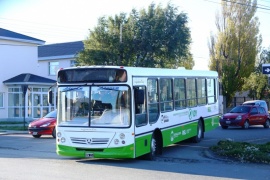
[266, 68]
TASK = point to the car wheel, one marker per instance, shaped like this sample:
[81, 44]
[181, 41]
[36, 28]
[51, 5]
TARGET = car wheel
[199, 136]
[267, 123]
[224, 127]
[54, 133]
[36, 136]
[246, 124]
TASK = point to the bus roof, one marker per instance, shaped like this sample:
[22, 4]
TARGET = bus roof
[146, 71]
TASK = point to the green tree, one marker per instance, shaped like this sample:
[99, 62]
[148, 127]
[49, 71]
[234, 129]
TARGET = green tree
[156, 37]
[257, 83]
[234, 49]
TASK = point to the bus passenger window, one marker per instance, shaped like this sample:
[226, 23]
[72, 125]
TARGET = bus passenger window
[140, 107]
[166, 103]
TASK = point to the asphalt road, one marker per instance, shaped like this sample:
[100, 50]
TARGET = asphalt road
[25, 157]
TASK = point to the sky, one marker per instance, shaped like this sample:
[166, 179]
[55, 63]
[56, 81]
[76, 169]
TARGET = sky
[57, 21]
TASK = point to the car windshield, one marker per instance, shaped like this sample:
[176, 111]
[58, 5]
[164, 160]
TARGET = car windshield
[240, 109]
[51, 114]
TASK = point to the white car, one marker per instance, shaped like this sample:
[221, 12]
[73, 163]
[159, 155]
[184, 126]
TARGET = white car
[261, 103]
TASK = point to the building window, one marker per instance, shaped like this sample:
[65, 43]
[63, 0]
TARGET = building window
[53, 68]
[15, 102]
[1, 100]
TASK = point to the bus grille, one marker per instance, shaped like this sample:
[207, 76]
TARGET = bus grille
[91, 141]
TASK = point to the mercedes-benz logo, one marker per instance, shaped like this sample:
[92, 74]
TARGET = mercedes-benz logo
[88, 141]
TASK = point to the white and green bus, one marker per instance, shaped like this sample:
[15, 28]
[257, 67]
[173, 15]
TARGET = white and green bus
[127, 112]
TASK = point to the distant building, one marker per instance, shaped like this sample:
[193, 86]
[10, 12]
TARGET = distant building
[27, 64]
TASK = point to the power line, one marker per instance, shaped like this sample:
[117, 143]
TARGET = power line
[211, 1]
[247, 5]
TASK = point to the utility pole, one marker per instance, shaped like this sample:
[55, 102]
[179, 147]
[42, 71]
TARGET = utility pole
[24, 89]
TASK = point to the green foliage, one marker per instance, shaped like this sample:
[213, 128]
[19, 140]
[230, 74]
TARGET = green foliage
[245, 152]
[156, 37]
[257, 83]
[13, 128]
[234, 49]
[11, 122]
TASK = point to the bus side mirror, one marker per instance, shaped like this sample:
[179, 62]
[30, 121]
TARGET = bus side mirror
[50, 96]
[139, 96]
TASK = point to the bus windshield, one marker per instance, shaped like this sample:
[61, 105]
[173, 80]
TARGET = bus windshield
[94, 106]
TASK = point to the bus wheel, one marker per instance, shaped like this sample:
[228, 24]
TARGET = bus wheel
[199, 136]
[153, 149]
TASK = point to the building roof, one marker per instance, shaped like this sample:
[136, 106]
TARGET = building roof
[10, 35]
[64, 50]
[27, 78]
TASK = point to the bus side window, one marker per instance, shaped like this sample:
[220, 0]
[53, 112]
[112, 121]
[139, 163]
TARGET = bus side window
[166, 103]
[153, 105]
[140, 106]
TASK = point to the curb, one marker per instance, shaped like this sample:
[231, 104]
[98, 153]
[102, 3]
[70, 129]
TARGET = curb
[211, 155]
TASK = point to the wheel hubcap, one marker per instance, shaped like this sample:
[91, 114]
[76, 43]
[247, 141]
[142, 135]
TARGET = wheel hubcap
[153, 146]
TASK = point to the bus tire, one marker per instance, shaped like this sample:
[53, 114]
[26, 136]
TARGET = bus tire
[155, 146]
[200, 133]
[153, 149]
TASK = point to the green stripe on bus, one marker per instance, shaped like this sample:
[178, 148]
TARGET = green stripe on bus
[174, 135]
[211, 123]
[119, 152]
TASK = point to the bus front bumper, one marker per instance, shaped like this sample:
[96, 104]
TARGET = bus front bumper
[120, 152]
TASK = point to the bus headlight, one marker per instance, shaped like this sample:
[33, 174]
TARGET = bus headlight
[63, 140]
[59, 134]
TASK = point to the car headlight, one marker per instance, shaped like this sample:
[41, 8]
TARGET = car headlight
[45, 125]
[238, 118]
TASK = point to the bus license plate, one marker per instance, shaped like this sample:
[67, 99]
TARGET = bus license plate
[89, 155]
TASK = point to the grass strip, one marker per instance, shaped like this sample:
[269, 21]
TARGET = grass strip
[243, 151]
[14, 128]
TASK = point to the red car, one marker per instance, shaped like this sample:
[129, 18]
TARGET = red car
[44, 126]
[244, 116]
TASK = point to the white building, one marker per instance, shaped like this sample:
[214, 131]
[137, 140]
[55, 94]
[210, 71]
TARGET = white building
[27, 64]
